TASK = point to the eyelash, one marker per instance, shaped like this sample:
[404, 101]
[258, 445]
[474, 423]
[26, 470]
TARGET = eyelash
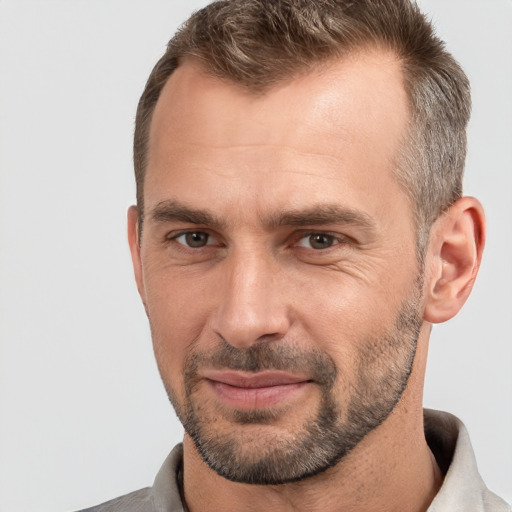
[173, 237]
[336, 239]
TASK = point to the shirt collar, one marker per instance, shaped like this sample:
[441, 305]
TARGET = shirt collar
[463, 487]
[447, 437]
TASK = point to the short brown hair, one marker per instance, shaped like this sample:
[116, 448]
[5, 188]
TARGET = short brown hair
[257, 43]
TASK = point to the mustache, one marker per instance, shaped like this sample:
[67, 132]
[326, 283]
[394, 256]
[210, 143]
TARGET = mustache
[317, 365]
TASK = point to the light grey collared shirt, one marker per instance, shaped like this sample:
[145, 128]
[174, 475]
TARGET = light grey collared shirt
[463, 489]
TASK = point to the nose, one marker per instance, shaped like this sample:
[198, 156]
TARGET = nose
[252, 306]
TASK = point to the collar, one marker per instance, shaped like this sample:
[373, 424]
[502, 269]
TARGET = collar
[463, 487]
[447, 437]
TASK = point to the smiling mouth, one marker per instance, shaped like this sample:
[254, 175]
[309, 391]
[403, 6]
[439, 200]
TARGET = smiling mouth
[254, 391]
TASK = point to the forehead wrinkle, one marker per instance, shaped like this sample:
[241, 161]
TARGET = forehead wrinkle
[186, 146]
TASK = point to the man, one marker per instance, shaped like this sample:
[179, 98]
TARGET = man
[299, 227]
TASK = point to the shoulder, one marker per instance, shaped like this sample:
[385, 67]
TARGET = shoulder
[463, 487]
[137, 501]
[163, 495]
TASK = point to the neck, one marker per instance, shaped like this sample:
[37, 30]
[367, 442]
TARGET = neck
[391, 469]
[401, 476]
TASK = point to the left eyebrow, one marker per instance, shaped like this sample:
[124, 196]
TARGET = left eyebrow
[321, 215]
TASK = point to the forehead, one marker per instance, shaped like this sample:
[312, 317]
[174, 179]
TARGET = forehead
[342, 121]
[368, 82]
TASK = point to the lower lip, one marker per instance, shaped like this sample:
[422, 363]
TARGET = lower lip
[256, 398]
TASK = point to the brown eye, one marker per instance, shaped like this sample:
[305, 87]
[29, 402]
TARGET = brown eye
[320, 241]
[194, 239]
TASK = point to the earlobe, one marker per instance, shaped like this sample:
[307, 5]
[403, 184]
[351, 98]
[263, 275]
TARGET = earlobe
[454, 256]
[133, 240]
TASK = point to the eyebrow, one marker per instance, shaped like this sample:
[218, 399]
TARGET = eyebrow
[172, 210]
[321, 215]
[169, 211]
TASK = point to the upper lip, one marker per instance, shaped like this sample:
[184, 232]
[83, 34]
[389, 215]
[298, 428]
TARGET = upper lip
[253, 380]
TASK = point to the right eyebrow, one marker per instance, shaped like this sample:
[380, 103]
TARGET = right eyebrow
[171, 210]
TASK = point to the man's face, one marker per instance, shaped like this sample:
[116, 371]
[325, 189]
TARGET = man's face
[278, 265]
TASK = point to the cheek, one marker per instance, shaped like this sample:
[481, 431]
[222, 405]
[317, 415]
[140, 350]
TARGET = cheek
[177, 314]
[341, 309]
[175, 301]
[346, 316]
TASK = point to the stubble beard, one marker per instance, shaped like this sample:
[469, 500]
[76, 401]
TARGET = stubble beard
[384, 365]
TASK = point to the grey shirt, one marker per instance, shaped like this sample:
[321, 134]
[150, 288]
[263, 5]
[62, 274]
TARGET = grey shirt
[463, 489]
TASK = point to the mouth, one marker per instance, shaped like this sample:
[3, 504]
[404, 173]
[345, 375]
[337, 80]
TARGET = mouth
[254, 390]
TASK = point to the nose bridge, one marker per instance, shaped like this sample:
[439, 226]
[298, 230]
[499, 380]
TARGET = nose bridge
[252, 302]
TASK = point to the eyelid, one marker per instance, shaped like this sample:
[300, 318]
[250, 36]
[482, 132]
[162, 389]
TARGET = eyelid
[174, 235]
[338, 237]
[214, 238]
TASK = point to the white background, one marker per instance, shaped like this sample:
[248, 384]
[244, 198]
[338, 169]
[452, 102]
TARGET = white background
[83, 416]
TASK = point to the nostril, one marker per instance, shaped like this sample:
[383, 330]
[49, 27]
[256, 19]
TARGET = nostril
[247, 329]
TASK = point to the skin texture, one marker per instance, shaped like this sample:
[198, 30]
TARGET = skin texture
[273, 225]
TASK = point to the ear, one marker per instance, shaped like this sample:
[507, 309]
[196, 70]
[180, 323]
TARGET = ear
[133, 240]
[453, 259]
